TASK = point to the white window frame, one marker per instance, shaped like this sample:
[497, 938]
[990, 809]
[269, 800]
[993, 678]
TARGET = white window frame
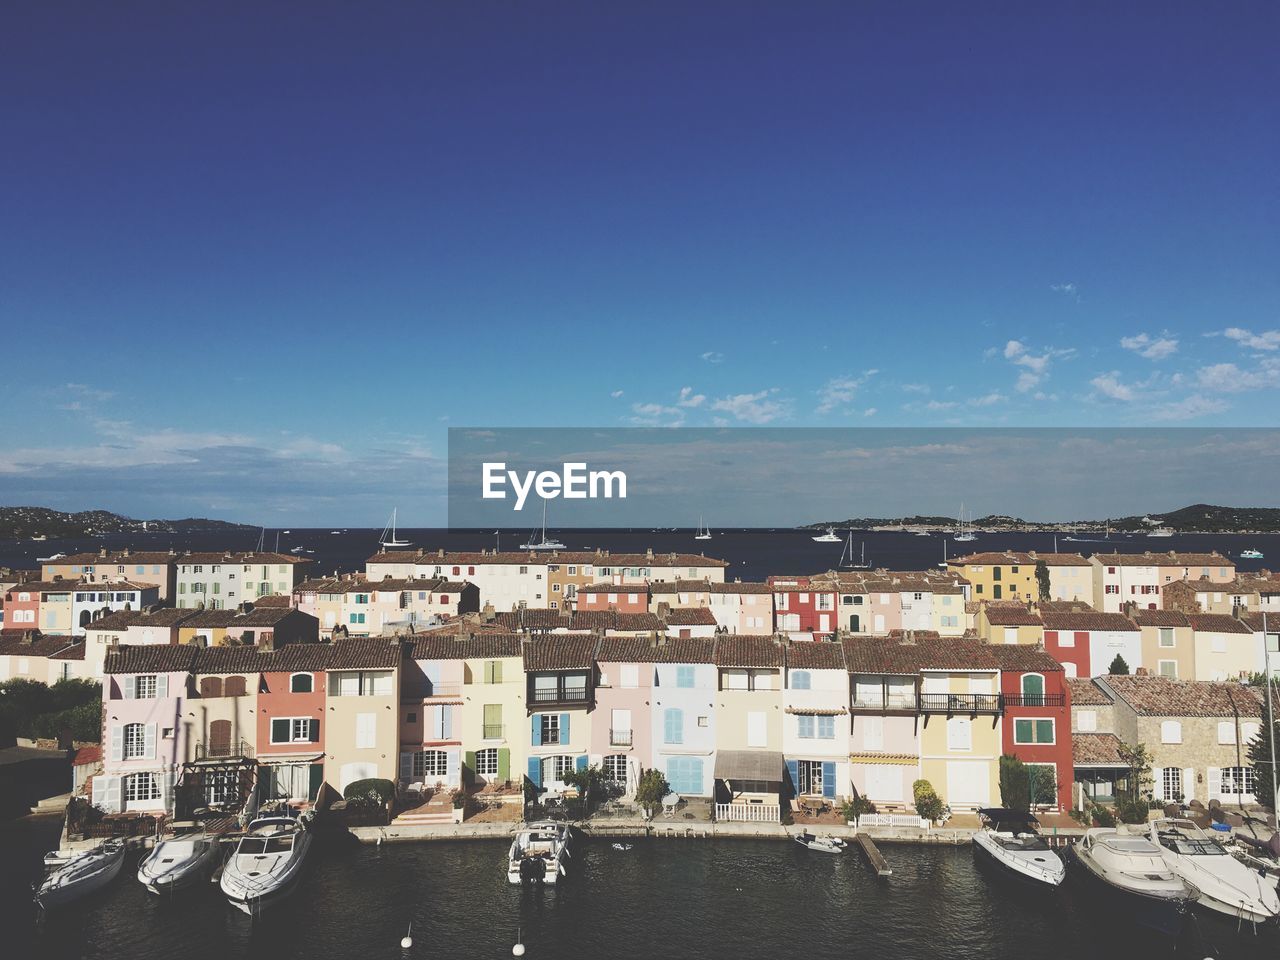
[1170, 731]
[487, 762]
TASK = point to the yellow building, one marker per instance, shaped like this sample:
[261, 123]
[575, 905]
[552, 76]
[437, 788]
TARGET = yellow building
[1011, 575]
[1168, 643]
[362, 711]
[1008, 623]
[960, 732]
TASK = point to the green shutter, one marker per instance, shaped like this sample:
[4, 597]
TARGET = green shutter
[504, 764]
[316, 780]
[1021, 731]
[280, 731]
[469, 767]
[1044, 731]
[497, 672]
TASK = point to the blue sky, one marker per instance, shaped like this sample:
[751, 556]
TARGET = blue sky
[254, 264]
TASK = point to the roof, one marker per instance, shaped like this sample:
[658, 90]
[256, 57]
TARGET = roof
[994, 558]
[1011, 616]
[123, 619]
[1022, 658]
[745, 650]
[619, 588]
[1166, 697]
[233, 659]
[643, 650]
[689, 617]
[364, 653]
[738, 586]
[256, 617]
[816, 656]
[1160, 618]
[1089, 620]
[116, 556]
[542, 559]
[151, 658]
[1253, 620]
[33, 643]
[464, 646]
[73, 652]
[87, 755]
[1086, 693]
[1170, 558]
[1216, 623]
[902, 657]
[560, 652]
[238, 556]
[764, 765]
[1096, 749]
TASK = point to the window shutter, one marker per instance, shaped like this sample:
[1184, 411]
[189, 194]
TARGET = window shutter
[314, 732]
[535, 771]
[451, 770]
[497, 671]
[279, 731]
[536, 739]
[315, 781]
[446, 719]
[100, 789]
[1215, 783]
[1188, 784]
[793, 771]
[1157, 788]
[504, 764]
[130, 688]
[166, 790]
[117, 743]
[829, 779]
[580, 763]
[162, 686]
[406, 766]
[469, 765]
[564, 728]
[149, 741]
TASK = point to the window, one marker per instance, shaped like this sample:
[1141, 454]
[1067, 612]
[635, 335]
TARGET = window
[629, 676]
[673, 725]
[301, 683]
[294, 730]
[1171, 783]
[757, 729]
[1226, 731]
[1218, 644]
[493, 671]
[1032, 689]
[1033, 731]
[1087, 721]
[1170, 731]
[135, 741]
[557, 768]
[615, 768]
[826, 728]
[431, 764]
[140, 787]
[959, 733]
[804, 726]
[145, 687]
[235, 687]
[800, 680]
[684, 775]
[487, 762]
[550, 728]
[366, 730]
[1168, 668]
[1166, 640]
[1238, 781]
[810, 774]
[684, 677]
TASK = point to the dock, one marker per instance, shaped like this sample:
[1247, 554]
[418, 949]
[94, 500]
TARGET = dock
[874, 856]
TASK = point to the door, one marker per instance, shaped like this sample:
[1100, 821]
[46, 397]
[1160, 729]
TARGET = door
[855, 623]
[967, 784]
[884, 783]
[220, 738]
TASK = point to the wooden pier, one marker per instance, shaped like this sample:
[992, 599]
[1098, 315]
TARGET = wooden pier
[874, 856]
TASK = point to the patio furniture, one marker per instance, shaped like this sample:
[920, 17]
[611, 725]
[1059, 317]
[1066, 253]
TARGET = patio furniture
[669, 804]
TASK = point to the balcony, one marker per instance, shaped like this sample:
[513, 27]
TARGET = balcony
[1035, 699]
[620, 738]
[961, 703]
[494, 731]
[214, 750]
[560, 695]
[885, 704]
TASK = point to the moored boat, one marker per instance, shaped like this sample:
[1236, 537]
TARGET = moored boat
[828, 537]
[1009, 839]
[1251, 554]
[820, 844]
[68, 878]
[538, 853]
[267, 862]
[178, 863]
[1130, 872]
[1225, 885]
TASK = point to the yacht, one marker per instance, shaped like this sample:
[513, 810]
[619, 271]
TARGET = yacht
[1009, 839]
[393, 540]
[54, 558]
[1160, 532]
[963, 534]
[1251, 554]
[267, 862]
[1225, 884]
[68, 878]
[545, 542]
[704, 532]
[178, 863]
[847, 559]
[828, 537]
[538, 852]
[1129, 870]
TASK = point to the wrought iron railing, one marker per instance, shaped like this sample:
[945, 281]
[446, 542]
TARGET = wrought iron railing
[1035, 699]
[562, 695]
[224, 751]
[960, 703]
[494, 731]
[620, 738]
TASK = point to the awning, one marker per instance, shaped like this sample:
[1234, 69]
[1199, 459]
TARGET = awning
[818, 711]
[899, 759]
[749, 765]
[290, 757]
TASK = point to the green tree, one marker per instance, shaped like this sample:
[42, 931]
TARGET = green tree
[1042, 579]
[1118, 667]
[1260, 759]
[592, 785]
[1042, 781]
[1133, 802]
[928, 803]
[650, 790]
[1015, 788]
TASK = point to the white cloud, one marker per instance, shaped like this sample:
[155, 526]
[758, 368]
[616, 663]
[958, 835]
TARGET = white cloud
[987, 400]
[1190, 407]
[1266, 340]
[1026, 381]
[915, 388]
[1109, 385]
[1152, 348]
[870, 412]
[941, 405]
[840, 391]
[690, 399]
[1035, 365]
[1068, 289]
[616, 394]
[756, 408]
[713, 356]
[1228, 378]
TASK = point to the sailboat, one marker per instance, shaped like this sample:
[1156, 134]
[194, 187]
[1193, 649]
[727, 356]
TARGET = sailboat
[545, 542]
[846, 558]
[704, 533]
[393, 540]
[963, 534]
[828, 537]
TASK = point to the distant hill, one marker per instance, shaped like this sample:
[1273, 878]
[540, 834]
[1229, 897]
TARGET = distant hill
[1197, 518]
[23, 523]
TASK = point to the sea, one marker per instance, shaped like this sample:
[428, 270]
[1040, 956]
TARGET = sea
[752, 554]
[664, 899]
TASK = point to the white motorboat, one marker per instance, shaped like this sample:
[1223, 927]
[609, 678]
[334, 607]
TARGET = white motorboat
[52, 558]
[1251, 554]
[68, 878]
[828, 537]
[1009, 839]
[821, 844]
[1225, 884]
[267, 863]
[1130, 872]
[1160, 532]
[538, 853]
[179, 863]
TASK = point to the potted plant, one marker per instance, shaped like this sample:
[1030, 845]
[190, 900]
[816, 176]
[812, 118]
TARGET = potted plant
[459, 805]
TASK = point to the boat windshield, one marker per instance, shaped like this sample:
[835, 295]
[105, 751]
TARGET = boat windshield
[259, 846]
[1189, 846]
[1022, 841]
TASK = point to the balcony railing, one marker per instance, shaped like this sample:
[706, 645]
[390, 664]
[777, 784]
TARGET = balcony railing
[1035, 699]
[885, 703]
[563, 695]
[753, 812]
[223, 751]
[494, 731]
[620, 738]
[950, 703]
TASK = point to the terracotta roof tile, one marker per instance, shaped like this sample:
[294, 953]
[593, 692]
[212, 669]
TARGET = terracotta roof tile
[642, 650]
[1160, 618]
[560, 652]
[1216, 623]
[745, 650]
[230, 660]
[364, 653]
[602, 558]
[1086, 693]
[1022, 657]
[1089, 620]
[1165, 697]
[690, 617]
[1170, 558]
[816, 656]
[1096, 749]
[152, 658]
[1012, 616]
[466, 646]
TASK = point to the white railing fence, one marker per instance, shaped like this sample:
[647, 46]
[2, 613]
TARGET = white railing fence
[754, 812]
[890, 820]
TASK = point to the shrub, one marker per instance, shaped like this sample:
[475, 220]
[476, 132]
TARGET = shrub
[381, 791]
[852, 809]
[928, 803]
[1102, 817]
[1015, 787]
[650, 790]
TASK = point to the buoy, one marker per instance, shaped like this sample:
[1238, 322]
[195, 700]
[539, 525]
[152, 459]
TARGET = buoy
[518, 949]
[407, 941]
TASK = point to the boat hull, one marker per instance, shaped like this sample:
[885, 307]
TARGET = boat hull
[1164, 915]
[53, 897]
[182, 877]
[1010, 868]
[255, 896]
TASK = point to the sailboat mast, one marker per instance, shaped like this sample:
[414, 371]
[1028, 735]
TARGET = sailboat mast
[1271, 717]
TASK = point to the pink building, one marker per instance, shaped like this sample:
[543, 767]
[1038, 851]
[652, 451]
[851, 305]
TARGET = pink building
[628, 598]
[621, 737]
[431, 704]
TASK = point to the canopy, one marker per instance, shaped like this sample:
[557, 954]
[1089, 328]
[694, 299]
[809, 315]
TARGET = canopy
[749, 765]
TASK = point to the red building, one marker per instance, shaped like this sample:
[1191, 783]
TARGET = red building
[803, 608]
[625, 598]
[1037, 714]
[291, 715]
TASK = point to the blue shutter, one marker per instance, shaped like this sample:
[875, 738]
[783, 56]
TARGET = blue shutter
[673, 725]
[564, 728]
[535, 771]
[829, 779]
[693, 775]
[537, 732]
[793, 771]
[580, 763]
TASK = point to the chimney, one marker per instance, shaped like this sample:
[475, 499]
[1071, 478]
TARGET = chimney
[648, 553]
[102, 553]
[1141, 672]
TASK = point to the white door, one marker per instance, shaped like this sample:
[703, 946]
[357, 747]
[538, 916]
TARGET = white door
[351, 772]
[872, 733]
[884, 784]
[967, 784]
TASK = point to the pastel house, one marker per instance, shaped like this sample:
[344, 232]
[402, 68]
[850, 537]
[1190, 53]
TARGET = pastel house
[815, 725]
[560, 695]
[884, 742]
[622, 737]
[683, 719]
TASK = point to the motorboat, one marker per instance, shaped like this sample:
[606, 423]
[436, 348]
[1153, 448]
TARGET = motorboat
[538, 853]
[1009, 838]
[821, 844]
[1130, 870]
[52, 558]
[624, 847]
[1160, 532]
[828, 537]
[72, 876]
[1225, 884]
[1251, 554]
[178, 863]
[267, 862]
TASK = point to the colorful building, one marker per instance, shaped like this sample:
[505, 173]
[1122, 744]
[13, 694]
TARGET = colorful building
[1037, 721]
[1086, 642]
[559, 697]
[815, 723]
